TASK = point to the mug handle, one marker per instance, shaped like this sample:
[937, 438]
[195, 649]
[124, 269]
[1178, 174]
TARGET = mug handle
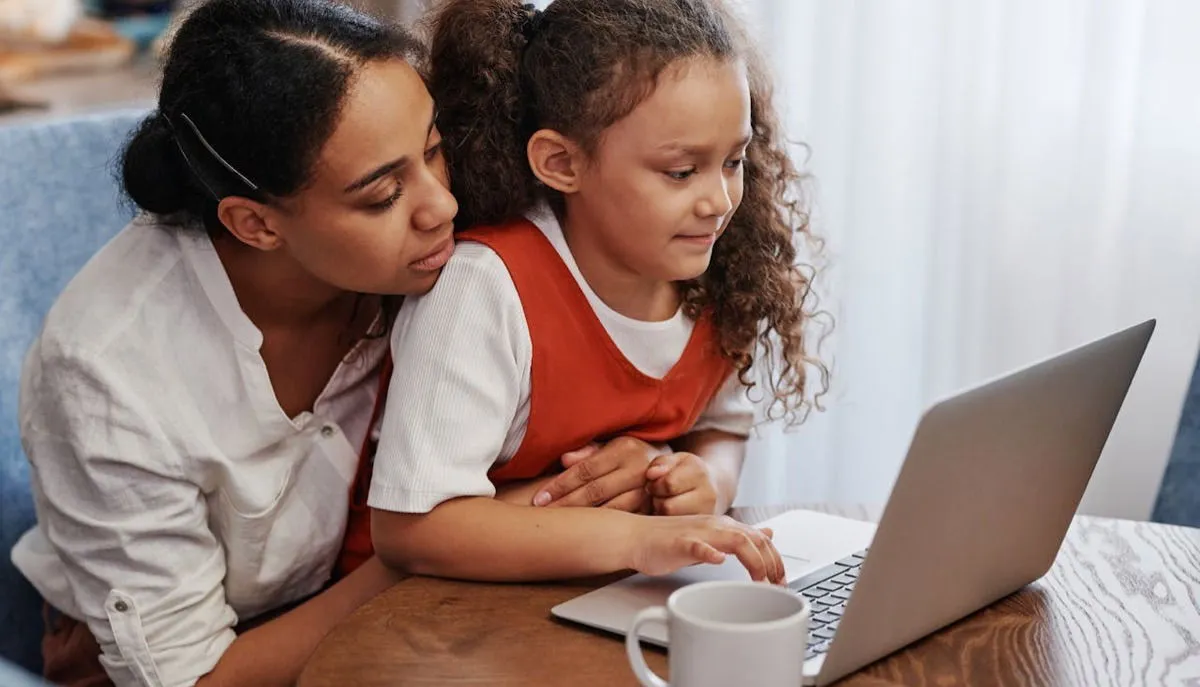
[633, 646]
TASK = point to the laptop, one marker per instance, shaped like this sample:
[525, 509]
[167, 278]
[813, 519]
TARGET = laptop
[991, 481]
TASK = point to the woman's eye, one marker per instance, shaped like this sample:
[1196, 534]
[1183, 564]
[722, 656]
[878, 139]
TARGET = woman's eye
[682, 175]
[387, 202]
[433, 151]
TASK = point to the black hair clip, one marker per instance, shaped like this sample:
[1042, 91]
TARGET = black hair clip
[206, 179]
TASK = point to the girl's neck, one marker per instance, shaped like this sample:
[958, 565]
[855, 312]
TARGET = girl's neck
[629, 293]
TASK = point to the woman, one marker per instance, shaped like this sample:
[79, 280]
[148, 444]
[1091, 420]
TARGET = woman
[196, 405]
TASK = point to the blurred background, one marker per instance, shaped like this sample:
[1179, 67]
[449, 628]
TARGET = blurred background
[998, 180]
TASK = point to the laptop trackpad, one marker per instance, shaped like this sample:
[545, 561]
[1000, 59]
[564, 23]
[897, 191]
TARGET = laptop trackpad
[817, 538]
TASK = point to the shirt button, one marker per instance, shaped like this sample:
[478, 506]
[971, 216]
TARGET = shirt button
[328, 431]
[121, 606]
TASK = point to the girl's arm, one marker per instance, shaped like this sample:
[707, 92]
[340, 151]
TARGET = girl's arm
[479, 538]
[462, 358]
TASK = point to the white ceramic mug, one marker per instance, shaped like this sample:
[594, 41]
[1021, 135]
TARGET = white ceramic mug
[727, 633]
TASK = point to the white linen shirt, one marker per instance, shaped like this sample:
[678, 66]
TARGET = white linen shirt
[459, 398]
[174, 496]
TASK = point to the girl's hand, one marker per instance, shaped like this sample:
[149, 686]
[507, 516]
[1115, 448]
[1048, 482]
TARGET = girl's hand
[663, 545]
[681, 484]
[612, 476]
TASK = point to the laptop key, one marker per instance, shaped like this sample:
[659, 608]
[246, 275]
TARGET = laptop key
[827, 617]
[845, 579]
[823, 633]
[817, 576]
[842, 594]
[820, 648]
[829, 586]
[813, 593]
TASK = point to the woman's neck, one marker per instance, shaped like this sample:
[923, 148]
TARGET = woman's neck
[275, 292]
[631, 294]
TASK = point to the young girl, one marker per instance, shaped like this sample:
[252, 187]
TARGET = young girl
[630, 241]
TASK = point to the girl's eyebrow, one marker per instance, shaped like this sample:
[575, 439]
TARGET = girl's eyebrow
[697, 150]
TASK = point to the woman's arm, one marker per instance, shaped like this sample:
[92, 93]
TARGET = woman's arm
[131, 529]
[275, 652]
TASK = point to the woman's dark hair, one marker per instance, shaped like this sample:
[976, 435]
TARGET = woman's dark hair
[251, 90]
[499, 71]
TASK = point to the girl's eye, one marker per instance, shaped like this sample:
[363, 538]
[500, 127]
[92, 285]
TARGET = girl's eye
[682, 175]
[734, 164]
[388, 202]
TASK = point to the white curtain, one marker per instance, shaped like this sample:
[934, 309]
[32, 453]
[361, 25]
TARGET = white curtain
[404, 11]
[999, 180]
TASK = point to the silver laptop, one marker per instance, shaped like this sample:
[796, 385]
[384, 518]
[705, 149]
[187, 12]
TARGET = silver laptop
[991, 481]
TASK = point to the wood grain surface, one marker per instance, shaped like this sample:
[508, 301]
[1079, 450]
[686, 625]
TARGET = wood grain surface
[1121, 606]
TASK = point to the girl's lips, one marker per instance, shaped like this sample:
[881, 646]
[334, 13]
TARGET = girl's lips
[698, 239]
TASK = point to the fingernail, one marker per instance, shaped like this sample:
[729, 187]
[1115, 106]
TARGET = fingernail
[542, 498]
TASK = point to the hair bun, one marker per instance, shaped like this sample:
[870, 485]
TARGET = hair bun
[152, 170]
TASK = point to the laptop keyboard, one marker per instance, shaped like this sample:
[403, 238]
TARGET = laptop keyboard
[827, 591]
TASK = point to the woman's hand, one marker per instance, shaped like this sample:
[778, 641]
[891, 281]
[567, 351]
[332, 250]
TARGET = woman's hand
[611, 476]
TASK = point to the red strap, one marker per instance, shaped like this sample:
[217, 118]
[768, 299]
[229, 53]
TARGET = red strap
[356, 545]
[366, 454]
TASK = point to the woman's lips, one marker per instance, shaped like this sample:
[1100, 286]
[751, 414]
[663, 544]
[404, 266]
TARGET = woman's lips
[436, 260]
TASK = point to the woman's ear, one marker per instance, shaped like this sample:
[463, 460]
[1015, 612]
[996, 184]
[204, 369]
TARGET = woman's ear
[247, 220]
[556, 160]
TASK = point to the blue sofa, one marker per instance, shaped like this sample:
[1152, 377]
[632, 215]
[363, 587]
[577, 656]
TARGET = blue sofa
[1179, 496]
[59, 202]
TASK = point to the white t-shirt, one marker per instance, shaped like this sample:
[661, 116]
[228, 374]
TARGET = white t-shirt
[459, 398]
[174, 496]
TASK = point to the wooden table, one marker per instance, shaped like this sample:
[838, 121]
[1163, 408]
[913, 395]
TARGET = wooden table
[1120, 607]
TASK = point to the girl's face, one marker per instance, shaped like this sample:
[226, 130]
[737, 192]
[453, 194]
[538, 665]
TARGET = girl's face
[377, 216]
[663, 182]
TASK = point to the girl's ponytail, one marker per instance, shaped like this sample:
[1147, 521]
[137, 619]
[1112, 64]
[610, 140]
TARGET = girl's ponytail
[476, 81]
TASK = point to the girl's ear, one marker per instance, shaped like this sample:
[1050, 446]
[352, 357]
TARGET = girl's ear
[556, 160]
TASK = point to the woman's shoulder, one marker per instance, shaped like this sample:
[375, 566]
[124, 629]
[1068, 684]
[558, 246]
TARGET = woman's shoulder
[102, 303]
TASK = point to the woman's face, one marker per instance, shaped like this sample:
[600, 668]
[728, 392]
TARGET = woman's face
[377, 215]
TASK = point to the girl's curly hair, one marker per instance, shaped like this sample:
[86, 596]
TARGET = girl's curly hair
[499, 71]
